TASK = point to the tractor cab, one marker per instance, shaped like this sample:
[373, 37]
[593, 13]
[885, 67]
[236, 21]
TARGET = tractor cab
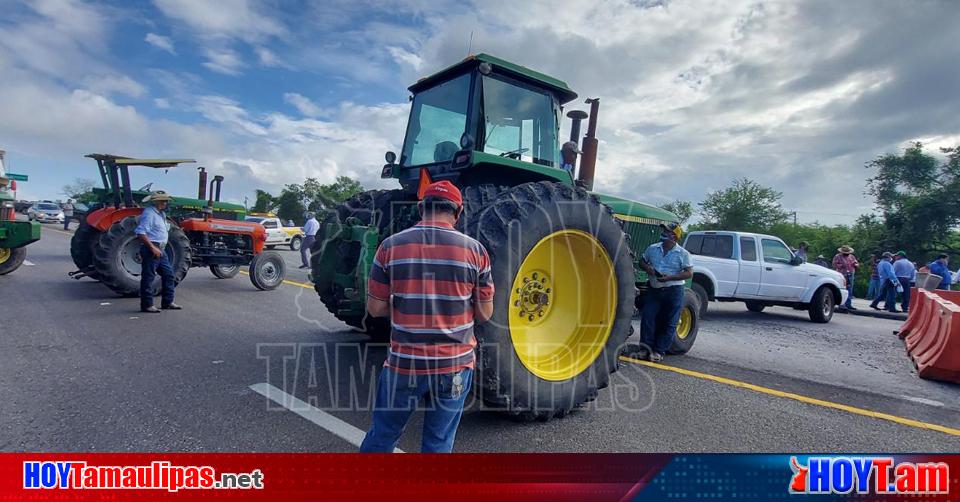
[470, 120]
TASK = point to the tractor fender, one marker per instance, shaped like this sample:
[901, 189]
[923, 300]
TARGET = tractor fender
[219, 226]
[104, 218]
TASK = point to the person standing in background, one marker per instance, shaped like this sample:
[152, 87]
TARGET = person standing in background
[874, 287]
[67, 213]
[906, 273]
[802, 250]
[888, 284]
[310, 229]
[941, 267]
[847, 264]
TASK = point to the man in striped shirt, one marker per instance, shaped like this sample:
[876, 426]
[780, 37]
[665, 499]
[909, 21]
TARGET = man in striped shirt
[434, 283]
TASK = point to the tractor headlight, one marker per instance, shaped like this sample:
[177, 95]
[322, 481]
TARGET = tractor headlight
[7, 204]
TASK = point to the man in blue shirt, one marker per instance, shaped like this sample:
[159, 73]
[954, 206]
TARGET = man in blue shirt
[310, 229]
[906, 273]
[940, 266]
[152, 232]
[888, 284]
[668, 266]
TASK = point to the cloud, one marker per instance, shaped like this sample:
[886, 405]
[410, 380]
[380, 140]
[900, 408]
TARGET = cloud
[224, 61]
[160, 42]
[245, 20]
[303, 104]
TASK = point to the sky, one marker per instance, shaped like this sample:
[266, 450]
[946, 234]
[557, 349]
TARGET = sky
[796, 95]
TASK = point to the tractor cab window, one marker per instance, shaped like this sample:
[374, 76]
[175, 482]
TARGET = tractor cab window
[437, 120]
[519, 122]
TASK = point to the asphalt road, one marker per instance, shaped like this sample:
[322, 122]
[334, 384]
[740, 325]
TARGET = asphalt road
[83, 370]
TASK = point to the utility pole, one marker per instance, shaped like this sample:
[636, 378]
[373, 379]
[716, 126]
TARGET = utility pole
[794, 219]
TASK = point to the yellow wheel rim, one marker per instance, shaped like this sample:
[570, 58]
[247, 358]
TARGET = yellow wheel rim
[685, 323]
[562, 305]
[5, 254]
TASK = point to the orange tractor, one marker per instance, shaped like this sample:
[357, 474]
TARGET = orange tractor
[203, 232]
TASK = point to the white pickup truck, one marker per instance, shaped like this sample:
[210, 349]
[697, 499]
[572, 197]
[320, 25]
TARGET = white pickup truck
[761, 271]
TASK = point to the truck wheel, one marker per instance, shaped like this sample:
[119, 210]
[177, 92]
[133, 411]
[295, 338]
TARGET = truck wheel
[754, 306]
[821, 307]
[225, 271]
[381, 206]
[267, 270]
[564, 274]
[82, 244]
[689, 324]
[11, 259]
[701, 293]
[295, 243]
[117, 257]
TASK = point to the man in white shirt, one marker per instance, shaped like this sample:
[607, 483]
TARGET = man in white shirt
[310, 229]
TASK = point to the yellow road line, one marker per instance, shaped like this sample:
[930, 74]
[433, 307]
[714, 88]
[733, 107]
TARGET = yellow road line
[797, 397]
[292, 283]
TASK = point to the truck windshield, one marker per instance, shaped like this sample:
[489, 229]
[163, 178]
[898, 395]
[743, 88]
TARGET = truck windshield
[519, 122]
[437, 120]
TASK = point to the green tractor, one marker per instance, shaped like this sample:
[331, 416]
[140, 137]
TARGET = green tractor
[14, 235]
[565, 261]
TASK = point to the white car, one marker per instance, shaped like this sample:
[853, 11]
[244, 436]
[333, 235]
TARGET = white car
[45, 212]
[761, 271]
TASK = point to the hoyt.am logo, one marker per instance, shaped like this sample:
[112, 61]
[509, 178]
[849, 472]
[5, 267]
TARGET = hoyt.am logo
[877, 475]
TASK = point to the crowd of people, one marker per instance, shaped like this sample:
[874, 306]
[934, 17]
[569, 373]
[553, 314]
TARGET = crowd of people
[891, 275]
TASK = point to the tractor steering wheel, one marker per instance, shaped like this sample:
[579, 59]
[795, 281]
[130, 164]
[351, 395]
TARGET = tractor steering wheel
[514, 154]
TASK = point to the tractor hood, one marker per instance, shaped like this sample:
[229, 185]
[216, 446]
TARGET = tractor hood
[625, 207]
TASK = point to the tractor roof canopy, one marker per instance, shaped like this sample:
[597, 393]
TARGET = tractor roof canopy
[563, 92]
[129, 161]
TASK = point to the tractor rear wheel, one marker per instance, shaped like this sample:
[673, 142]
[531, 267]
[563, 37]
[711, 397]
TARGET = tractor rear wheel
[117, 257]
[382, 208]
[225, 271]
[267, 270]
[82, 244]
[689, 324]
[11, 259]
[564, 274]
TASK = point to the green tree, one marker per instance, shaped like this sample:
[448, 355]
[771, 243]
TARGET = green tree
[916, 195]
[683, 209]
[265, 202]
[80, 190]
[745, 206]
[296, 199]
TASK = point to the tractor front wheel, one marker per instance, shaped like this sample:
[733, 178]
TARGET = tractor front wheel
[82, 246]
[564, 274]
[689, 324]
[267, 270]
[118, 263]
[11, 259]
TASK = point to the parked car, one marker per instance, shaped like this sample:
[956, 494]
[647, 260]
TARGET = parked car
[21, 206]
[45, 212]
[761, 271]
[278, 234]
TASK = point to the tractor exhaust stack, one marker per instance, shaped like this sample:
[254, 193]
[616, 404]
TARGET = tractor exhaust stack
[202, 190]
[219, 181]
[588, 160]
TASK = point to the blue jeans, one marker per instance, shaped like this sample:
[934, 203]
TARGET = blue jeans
[849, 303]
[150, 265]
[905, 282]
[305, 246]
[888, 293]
[874, 289]
[661, 312]
[397, 397]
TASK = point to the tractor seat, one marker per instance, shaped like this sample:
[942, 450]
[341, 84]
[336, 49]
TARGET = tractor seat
[444, 151]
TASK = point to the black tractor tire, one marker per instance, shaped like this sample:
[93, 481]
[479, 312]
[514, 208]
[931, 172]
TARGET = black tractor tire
[510, 222]
[690, 314]
[117, 257]
[295, 243]
[704, 298]
[12, 259]
[82, 244]
[225, 271]
[821, 306]
[267, 270]
[755, 306]
[374, 205]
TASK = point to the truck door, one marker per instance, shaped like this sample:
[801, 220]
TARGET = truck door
[780, 279]
[275, 234]
[750, 269]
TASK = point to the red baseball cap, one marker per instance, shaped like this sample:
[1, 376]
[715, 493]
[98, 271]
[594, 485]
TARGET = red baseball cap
[444, 190]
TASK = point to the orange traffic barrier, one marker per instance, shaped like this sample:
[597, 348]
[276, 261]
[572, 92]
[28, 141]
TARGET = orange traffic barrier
[932, 335]
[953, 296]
[916, 313]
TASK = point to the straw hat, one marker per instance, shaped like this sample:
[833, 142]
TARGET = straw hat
[157, 196]
[845, 249]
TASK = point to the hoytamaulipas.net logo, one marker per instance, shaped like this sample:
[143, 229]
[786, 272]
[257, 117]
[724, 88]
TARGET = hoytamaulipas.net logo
[868, 475]
[159, 475]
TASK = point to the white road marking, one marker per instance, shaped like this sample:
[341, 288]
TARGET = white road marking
[922, 400]
[325, 420]
[104, 303]
[28, 263]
